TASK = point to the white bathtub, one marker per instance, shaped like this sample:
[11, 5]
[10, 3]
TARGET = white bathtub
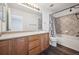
[68, 41]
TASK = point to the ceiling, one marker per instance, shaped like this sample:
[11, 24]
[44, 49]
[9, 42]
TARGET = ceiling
[56, 6]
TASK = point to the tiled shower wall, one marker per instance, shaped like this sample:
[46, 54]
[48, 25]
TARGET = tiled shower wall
[68, 24]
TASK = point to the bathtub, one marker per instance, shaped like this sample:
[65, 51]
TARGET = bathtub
[68, 41]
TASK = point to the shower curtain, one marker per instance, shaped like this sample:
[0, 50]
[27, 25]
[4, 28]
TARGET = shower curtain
[52, 28]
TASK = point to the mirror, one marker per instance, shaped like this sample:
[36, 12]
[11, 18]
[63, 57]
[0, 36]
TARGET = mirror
[0, 18]
[16, 23]
[18, 18]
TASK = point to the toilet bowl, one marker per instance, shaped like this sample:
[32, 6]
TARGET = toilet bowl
[53, 41]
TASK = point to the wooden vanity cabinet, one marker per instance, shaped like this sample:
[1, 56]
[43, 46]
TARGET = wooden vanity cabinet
[32, 45]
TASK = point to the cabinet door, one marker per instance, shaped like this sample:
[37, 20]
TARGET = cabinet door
[20, 46]
[4, 47]
[46, 45]
[44, 41]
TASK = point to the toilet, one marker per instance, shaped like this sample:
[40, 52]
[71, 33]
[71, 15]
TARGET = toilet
[53, 41]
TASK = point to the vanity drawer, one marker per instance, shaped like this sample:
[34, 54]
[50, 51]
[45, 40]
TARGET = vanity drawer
[34, 37]
[35, 51]
[33, 44]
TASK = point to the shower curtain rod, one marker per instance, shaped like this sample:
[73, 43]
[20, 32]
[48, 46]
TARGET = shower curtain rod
[65, 9]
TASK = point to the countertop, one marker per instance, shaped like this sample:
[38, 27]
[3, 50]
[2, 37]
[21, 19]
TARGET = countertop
[22, 34]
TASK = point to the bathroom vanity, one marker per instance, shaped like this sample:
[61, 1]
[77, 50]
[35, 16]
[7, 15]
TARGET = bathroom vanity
[20, 31]
[27, 43]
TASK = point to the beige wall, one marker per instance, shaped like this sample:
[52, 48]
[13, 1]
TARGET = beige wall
[68, 24]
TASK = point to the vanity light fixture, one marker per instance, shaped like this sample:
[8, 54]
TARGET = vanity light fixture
[31, 6]
[51, 5]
